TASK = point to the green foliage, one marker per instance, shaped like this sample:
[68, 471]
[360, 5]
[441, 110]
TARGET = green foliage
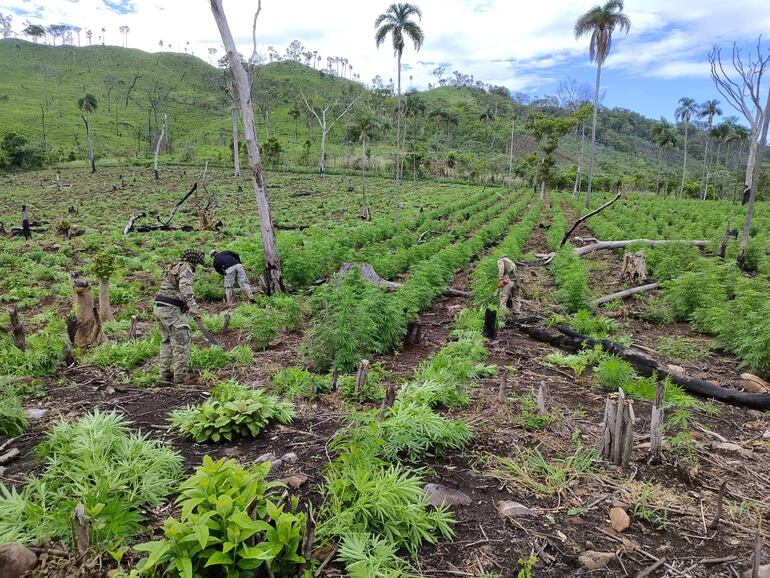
[530, 418]
[614, 373]
[13, 420]
[293, 382]
[571, 275]
[227, 520]
[232, 411]
[364, 496]
[19, 153]
[595, 326]
[578, 362]
[681, 348]
[529, 470]
[457, 362]
[103, 266]
[643, 510]
[124, 354]
[97, 461]
[365, 556]
[372, 390]
[210, 358]
[42, 356]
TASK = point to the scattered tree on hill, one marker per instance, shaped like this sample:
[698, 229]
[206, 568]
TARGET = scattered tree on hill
[124, 30]
[743, 90]
[104, 34]
[327, 114]
[16, 152]
[708, 110]
[212, 51]
[6, 25]
[87, 105]
[684, 113]
[273, 276]
[362, 127]
[155, 171]
[664, 136]
[89, 36]
[548, 130]
[35, 31]
[600, 22]
[397, 21]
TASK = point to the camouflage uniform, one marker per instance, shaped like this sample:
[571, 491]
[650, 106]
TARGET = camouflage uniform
[177, 285]
[508, 288]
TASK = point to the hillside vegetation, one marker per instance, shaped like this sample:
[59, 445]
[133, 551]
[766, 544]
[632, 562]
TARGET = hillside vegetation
[456, 131]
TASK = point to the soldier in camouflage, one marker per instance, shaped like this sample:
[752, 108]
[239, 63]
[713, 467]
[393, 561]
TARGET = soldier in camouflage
[174, 299]
[508, 287]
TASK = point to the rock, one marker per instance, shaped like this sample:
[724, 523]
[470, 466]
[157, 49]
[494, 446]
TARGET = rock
[676, 369]
[764, 572]
[290, 458]
[766, 435]
[439, 495]
[10, 455]
[514, 510]
[593, 560]
[296, 481]
[35, 413]
[16, 560]
[621, 505]
[619, 518]
[754, 384]
[727, 447]
[267, 458]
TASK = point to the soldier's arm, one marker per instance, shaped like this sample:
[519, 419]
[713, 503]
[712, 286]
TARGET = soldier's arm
[186, 289]
[500, 268]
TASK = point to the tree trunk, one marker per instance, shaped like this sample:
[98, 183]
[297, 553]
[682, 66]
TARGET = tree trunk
[105, 309]
[398, 144]
[273, 277]
[593, 135]
[236, 152]
[576, 188]
[706, 168]
[657, 176]
[155, 172]
[322, 159]
[363, 173]
[90, 144]
[510, 157]
[684, 164]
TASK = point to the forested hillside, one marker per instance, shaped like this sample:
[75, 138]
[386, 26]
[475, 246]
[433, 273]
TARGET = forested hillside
[460, 131]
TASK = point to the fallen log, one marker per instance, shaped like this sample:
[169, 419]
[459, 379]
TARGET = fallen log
[368, 273]
[585, 217]
[606, 245]
[626, 293]
[132, 222]
[179, 204]
[281, 227]
[646, 366]
[452, 292]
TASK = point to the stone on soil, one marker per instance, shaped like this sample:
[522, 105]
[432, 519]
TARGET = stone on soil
[439, 495]
[754, 384]
[620, 519]
[296, 481]
[592, 560]
[514, 510]
[16, 560]
[35, 413]
[764, 572]
[289, 458]
[267, 458]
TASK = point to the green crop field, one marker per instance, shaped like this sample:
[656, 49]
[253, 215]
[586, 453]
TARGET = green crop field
[377, 409]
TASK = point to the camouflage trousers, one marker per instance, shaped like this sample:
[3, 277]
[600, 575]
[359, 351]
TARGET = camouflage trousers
[233, 274]
[174, 341]
[509, 293]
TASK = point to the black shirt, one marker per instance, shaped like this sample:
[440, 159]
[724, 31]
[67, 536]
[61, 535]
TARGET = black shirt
[224, 260]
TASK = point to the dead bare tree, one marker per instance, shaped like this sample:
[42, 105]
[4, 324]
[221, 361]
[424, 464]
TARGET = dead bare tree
[742, 88]
[273, 277]
[155, 172]
[323, 114]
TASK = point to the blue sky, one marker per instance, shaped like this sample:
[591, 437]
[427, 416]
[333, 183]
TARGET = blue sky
[526, 46]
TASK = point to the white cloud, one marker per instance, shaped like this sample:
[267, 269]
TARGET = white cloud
[521, 45]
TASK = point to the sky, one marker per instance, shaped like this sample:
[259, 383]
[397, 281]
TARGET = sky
[525, 46]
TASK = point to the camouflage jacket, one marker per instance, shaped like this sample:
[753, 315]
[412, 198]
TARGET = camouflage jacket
[506, 268]
[177, 284]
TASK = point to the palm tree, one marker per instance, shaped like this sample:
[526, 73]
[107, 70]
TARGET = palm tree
[397, 22]
[87, 105]
[739, 134]
[363, 126]
[708, 110]
[600, 22]
[124, 30]
[721, 134]
[687, 109]
[665, 137]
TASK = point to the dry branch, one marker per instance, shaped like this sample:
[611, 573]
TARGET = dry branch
[368, 273]
[585, 217]
[626, 293]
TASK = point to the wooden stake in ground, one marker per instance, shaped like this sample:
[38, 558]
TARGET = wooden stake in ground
[361, 375]
[616, 441]
[502, 390]
[656, 423]
[541, 410]
[723, 243]
[17, 330]
[273, 276]
[80, 530]
[132, 327]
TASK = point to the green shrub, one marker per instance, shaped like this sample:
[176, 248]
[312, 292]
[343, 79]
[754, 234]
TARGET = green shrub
[209, 358]
[594, 326]
[13, 420]
[228, 520]
[232, 411]
[365, 556]
[98, 462]
[43, 354]
[571, 275]
[372, 390]
[364, 496]
[294, 382]
[125, 354]
[614, 373]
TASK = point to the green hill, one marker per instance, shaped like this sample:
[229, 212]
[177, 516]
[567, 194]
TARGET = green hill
[461, 132]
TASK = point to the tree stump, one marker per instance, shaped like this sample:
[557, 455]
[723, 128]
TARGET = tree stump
[17, 330]
[389, 399]
[80, 530]
[490, 324]
[616, 443]
[85, 329]
[656, 423]
[361, 375]
[365, 214]
[634, 267]
[132, 327]
[413, 333]
[502, 389]
[541, 409]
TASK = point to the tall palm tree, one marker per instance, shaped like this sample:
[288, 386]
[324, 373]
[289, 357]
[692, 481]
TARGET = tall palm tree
[87, 105]
[687, 109]
[722, 135]
[600, 22]
[708, 110]
[664, 136]
[397, 21]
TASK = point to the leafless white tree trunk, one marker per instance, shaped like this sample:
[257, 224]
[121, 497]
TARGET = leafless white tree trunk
[157, 147]
[742, 88]
[321, 115]
[273, 277]
[236, 153]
